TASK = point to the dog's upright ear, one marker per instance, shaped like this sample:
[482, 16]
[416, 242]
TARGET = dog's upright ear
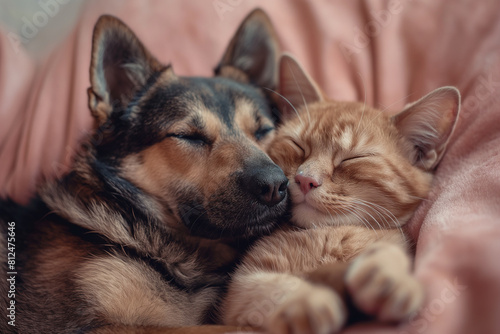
[253, 53]
[120, 65]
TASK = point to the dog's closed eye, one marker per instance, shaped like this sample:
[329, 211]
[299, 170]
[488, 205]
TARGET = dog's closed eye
[262, 132]
[194, 138]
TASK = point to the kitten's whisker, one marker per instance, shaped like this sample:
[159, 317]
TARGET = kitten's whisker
[349, 210]
[364, 100]
[385, 108]
[377, 212]
[373, 218]
[352, 209]
[388, 213]
[301, 94]
[287, 101]
[327, 211]
[345, 215]
[379, 113]
[384, 215]
[335, 209]
[342, 211]
[384, 211]
[366, 223]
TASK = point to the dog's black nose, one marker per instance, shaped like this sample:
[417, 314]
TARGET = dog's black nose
[268, 185]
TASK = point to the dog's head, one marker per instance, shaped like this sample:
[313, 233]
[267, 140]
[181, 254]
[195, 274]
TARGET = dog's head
[195, 145]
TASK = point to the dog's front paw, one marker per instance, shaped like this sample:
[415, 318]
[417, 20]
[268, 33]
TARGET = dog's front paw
[317, 310]
[380, 283]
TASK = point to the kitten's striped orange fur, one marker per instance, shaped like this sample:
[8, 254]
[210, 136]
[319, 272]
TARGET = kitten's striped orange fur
[356, 175]
[358, 157]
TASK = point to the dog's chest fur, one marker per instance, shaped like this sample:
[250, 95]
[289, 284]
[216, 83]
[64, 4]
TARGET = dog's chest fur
[115, 284]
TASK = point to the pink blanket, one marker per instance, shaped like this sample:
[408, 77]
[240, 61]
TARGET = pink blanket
[389, 52]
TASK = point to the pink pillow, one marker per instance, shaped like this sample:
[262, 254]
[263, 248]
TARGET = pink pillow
[386, 52]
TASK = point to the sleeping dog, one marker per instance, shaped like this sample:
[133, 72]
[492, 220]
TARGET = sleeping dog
[141, 234]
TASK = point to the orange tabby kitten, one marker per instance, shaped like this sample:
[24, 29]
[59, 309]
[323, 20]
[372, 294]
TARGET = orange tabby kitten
[356, 175]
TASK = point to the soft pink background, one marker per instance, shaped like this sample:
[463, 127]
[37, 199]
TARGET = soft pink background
[391, 52]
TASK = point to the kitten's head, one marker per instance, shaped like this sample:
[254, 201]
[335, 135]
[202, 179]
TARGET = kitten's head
[348, 163]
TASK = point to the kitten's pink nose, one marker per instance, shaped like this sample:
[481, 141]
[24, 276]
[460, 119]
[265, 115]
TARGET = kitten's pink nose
[306, 183]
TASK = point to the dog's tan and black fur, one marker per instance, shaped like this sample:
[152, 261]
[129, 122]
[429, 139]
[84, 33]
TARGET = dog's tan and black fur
[141, 234]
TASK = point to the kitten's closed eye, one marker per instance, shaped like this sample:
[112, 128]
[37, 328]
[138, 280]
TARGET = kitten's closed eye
[356, 157]
[298, 148]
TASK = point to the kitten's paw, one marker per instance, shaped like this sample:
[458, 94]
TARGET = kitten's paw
[317, 310]
[380, 283]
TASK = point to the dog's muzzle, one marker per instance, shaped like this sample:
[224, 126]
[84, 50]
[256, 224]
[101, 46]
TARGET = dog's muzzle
[267, 184]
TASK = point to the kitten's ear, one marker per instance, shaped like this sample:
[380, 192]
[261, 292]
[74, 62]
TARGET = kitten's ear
[429, 123]
[120, 65]
[253, 53]
[296, 86]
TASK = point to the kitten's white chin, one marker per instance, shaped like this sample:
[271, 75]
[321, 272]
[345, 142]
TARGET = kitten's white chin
[305, 216]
